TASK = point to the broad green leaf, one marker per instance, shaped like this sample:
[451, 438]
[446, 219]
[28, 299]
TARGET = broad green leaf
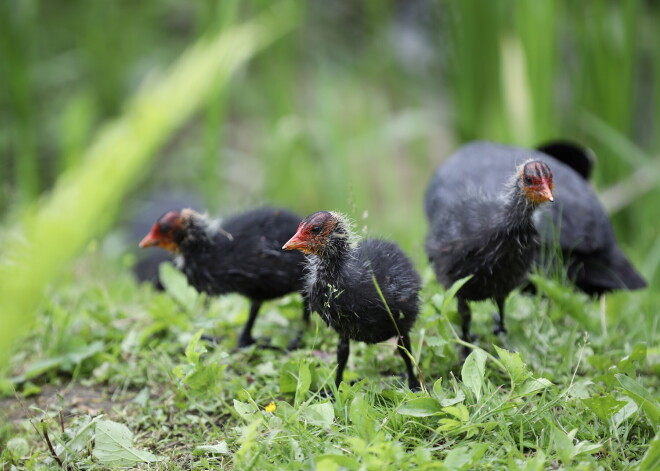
[465, 457]
[176, 285]
[641, 396]
[247, 410]
[563, 445]
[447, 425]
[535, 464]
[322, 414]
[450, 401]
[420, 407]
[288, 377]
[459, 411]
[533, 385]
[604, 406]
[18, 447]
[204, 379]
[626, 411]
[304, 380]
[194, 350]
[586, 448]
[513, 364]
[113, 446]
[473, 371]
[220, 448]
[441, 301]
[360, 414]
[458, 458]
[335, 463]
[628, 364]
[437, 388]
[651, 459]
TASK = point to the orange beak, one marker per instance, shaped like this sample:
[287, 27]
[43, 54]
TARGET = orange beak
[297, 243]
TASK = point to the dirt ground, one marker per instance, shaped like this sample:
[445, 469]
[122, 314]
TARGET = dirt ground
[76, 400]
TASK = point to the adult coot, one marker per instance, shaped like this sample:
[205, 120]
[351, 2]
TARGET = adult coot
[576, 223]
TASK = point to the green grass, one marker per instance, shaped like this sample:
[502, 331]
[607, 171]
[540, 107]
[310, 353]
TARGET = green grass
[107, 349]
[329, 116]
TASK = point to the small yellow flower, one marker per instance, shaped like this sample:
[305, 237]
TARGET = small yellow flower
[270, 407]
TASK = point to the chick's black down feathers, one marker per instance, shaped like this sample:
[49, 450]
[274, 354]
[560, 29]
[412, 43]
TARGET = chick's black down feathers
[576, 222]
[242, 254]
[347, 298]
[341, 283]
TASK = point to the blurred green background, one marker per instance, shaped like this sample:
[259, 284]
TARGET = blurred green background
[351, 108]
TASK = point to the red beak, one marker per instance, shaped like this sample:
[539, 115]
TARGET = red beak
[296, 243]
[151, 239]
[546, 193]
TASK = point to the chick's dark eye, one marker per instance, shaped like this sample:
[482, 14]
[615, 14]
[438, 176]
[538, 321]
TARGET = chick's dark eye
[316, 229]
[528, 180]
[165, 227]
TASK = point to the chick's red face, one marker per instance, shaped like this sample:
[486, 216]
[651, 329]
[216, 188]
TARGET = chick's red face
[313, 233]
[537, 182]
[164, 231]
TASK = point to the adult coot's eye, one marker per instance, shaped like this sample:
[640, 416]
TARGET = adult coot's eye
[316, 230]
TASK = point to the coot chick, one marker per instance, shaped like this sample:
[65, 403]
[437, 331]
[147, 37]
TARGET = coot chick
[242, 254]
[341, 282]
[576, 223]
[139, 220]
[492, 239]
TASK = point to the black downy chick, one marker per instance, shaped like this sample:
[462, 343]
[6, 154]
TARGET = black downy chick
[340, 286]
[576, 226]
[492, 239]
[242, 254]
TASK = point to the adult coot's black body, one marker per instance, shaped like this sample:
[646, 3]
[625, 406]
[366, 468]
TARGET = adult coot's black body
[242, 254]
[590, 254]
[491, 238]
[341, 286]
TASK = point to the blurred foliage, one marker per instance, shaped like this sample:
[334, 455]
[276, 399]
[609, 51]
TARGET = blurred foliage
[86, 198]
[352, 111]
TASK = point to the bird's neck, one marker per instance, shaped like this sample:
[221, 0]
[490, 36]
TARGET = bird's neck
[198, 236]
[518, 210]
[334, 255]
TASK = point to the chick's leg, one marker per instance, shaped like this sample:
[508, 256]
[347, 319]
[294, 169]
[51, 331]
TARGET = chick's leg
[343, 349]
[466, 318]
[499, 318]
[294, 344]
[246, 336]
[405, 350]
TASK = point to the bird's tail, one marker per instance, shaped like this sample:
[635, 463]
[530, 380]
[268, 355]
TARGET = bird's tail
[596, 274]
